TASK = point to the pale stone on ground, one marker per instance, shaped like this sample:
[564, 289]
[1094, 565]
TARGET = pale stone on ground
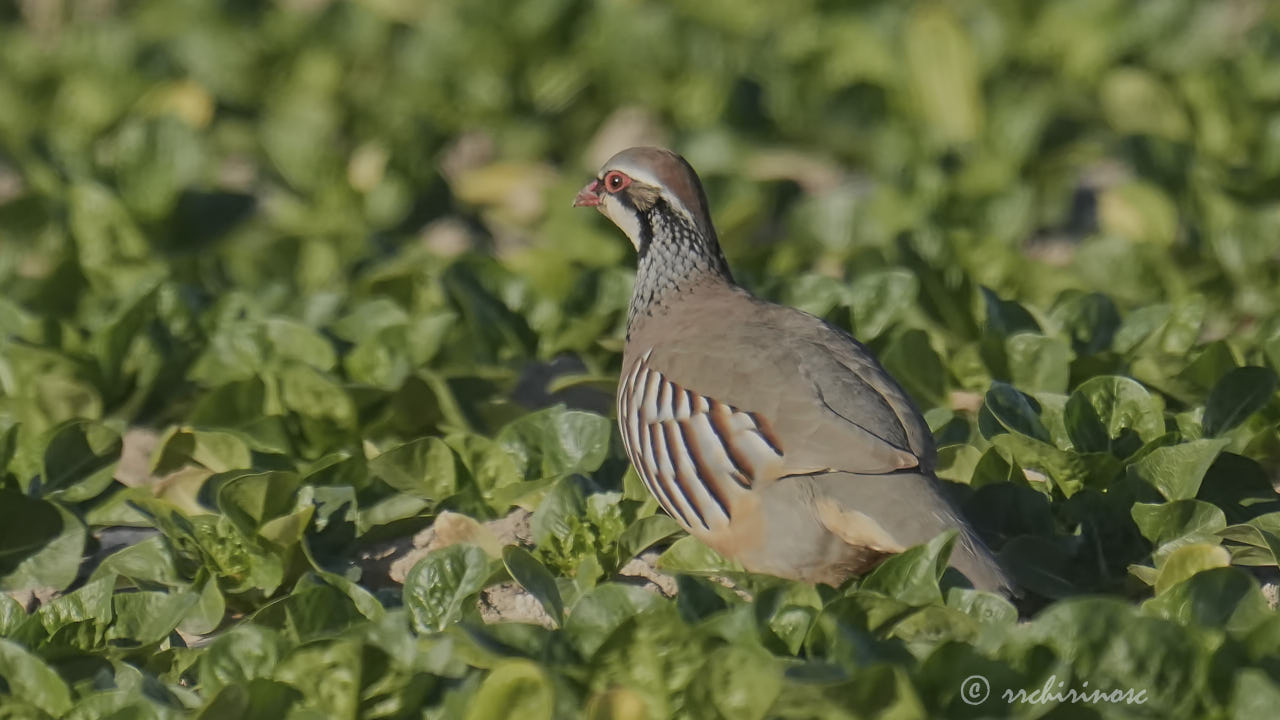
[449, 528]
[1271, 591]
[645, 566]
[508, 602]
[504, 602]
[134, 468]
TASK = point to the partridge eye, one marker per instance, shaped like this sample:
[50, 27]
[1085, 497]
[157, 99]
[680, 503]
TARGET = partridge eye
[615, 181]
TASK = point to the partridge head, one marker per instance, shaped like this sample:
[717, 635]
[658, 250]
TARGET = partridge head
[768, 434]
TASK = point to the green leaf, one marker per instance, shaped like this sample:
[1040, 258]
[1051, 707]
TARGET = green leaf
[207, 612]
[534, 577]
[555, 516]
[1103, 636]
[251, 499]
[217, 451]
[985, 607]
[1257, 537]
[327, 673]
[514, 688]
[912, 576]
[366, 319]
[1084, 426]
[1207, 367]
[698, 598]
[815, 294]
[496, 333]
[112, 344]
[292, 340]
[492, 468]
[89, 603]
[79, 461]
[1239, 394]
[26, 525]
[361, 600]
[600, 610]
[743, 681]
[912, 360]
[30, 680]
[285, 531]
[1069, 471]
[1269, 522]
[1015, 411]
[1220, 597]
[958, 463]
[1090, 320]
[55, 563]
[237, 656]
[382, 360]
[438, 585]
[1138, 211]
[943, 71]
[388, 510]
[314, 610]
[690, 555]
[425, 468]
[1006, 318]
[1189, 560]
[1038, 363]
[1140, 325]
[1180, 521]
[926, 628]
[259, 699]
[11, 614]
[993, 469]
[1136, 101]
[1254, 694]
[1185, 325]
[147, 617]
[783, 611]
[1118, 404]
[308, 392]
[149, 562]
[877, 299]
[1176, 470]
[643, 533]
[556, 442]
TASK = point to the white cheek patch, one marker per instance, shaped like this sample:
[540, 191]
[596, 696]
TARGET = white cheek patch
[622, 216]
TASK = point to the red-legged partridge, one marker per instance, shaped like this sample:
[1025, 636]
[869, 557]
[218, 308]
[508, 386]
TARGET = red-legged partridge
[768, 434]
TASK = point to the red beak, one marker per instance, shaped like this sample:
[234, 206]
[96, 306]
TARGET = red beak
[588, 196]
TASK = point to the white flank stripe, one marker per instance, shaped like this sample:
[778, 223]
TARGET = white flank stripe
[702, 494]
[665, 409]
[657, 417]
[649, 402]
[667, 474]
[682, 405]
[649, 472]
[709, 443]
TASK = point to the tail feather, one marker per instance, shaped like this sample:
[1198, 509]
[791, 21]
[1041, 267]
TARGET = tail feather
[976, 562]
[914, 508]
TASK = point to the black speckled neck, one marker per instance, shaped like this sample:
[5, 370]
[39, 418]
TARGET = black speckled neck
[675, 256]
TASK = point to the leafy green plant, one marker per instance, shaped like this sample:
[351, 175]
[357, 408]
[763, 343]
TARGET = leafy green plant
[283, 285]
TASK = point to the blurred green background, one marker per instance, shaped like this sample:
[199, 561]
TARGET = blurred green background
[302, 155]
[320, 257]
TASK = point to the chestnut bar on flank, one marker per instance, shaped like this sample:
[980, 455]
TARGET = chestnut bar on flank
[768, 434]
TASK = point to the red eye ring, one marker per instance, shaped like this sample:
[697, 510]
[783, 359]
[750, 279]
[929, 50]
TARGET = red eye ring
[615, 181]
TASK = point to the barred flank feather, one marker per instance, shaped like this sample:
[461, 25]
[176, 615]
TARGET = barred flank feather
[694, 454]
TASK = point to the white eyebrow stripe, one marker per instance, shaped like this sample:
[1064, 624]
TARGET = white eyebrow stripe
[642, 175]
